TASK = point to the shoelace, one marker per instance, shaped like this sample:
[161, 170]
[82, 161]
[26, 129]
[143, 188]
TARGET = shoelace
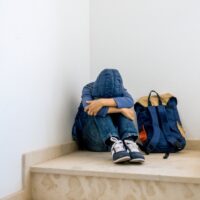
[133, 147]
[118, 144]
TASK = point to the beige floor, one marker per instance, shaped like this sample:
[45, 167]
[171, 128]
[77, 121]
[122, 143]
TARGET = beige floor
[183, 167]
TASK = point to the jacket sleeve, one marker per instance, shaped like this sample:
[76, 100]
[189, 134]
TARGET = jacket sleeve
[87, 96]
[124, 102]
[103, 112]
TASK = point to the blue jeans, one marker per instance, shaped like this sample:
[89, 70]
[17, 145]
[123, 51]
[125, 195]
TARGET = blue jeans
[97, 131]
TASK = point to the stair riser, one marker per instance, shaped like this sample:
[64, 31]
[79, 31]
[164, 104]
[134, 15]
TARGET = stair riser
[65, 187]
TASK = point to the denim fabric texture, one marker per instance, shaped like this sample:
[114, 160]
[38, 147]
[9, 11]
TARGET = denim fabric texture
[93, 132]
[160, 125]
[109, 84]
[98, 130]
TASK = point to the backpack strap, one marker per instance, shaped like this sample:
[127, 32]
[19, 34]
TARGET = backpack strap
[155, 125]
[176, 114]
[156, 130]
[156, 133]
[166, 129]
[173, 104]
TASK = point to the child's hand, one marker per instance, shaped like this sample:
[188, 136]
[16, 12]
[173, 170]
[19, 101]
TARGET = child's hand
[128, 112]
[93, 107]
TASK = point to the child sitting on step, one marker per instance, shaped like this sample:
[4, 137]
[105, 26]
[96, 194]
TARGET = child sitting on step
[105, 117]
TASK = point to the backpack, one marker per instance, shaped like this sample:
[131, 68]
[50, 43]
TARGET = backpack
[159, 124]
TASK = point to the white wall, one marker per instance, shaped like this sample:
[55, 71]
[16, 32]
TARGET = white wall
[44, 61]
[155, 45]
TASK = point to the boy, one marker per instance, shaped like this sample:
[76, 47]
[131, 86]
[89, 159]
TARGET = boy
[105, 119]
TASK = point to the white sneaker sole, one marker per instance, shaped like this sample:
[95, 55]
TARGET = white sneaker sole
[137, 160]
[123, 159]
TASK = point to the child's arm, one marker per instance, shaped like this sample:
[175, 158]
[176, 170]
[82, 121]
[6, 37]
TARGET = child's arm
[86, 94]
[99, 106]
[127, 112]
[96, 105]
[99, 109]
[109, 102]
[126, 101]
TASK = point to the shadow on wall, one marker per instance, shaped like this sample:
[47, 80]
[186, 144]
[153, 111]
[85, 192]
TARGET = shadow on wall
[71, 108]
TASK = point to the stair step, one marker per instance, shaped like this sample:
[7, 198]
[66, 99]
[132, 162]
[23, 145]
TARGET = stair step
[79, 172]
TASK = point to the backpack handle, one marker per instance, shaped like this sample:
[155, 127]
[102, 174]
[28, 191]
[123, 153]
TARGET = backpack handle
[158, 96]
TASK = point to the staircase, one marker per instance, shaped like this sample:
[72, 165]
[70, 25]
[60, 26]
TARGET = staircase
[84, 175]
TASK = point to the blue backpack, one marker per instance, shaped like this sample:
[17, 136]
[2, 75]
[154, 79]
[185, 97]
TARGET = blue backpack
[159, 125]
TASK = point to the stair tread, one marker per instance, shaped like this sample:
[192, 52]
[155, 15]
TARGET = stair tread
[179, 167]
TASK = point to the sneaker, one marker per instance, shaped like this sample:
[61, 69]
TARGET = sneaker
[119, 152]
[135, 154]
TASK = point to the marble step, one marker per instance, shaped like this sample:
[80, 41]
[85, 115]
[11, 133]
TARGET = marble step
[86, 175]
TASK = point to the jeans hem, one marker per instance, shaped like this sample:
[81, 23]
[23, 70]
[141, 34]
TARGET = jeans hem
[105, 139]
[130, 135]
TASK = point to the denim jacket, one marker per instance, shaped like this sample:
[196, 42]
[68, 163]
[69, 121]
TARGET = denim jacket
[108, 84]
[123, 101]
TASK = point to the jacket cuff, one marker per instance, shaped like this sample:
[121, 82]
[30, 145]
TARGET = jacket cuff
[118, 102]
[103, 112]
